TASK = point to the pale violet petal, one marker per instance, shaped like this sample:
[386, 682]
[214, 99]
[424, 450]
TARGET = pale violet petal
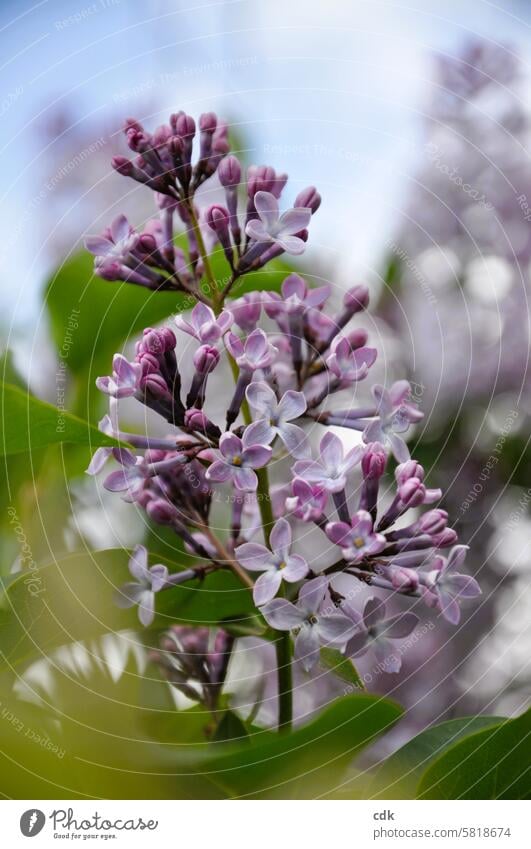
[266, 586]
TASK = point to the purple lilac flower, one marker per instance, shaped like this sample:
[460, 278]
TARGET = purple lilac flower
[308, 502]
[395, 414]
[116, 243]
[142, 591]
[296, 297]
[347, 363]
[357, 540]
[203, 324]
[377, 633]
[275, 417]
[254, 353]
[312, 627]
[246, 311]
[276, 564]
[125, 378]
[270, 226]
[240, 458]
[331, 470]
[444, 587]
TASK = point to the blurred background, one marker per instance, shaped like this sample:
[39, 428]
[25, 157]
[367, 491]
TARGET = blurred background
[414, 121]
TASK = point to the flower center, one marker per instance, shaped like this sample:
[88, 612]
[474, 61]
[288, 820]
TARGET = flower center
[358, 542]
[312, 619]
[236, 460]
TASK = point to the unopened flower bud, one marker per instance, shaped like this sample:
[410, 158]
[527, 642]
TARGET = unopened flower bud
[412, 492]
[433, 522]
[147, 243]
[356, 299]
[217, 219]
[445, 538]
[402, 579]
[309, 198]
[357, 338]
[122, 165]
[208, 122]
[161, 511]
[373, 461]
[196, 420]
[229, 171]
[409, 469]
[206, 359]
[156, 385]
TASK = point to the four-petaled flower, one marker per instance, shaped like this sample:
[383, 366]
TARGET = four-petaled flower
[281, 230]
[276, 564]
[254, 353]
[117, 242]
[395, 413]
[142, 591]
[444, 587]
[308, 502]
[358, 539]
[130, 478]
[377, 632]
[347, 363]
[331, 470]
[240, 458]
[125, 378]
[203, 324]
[296, 297]
[313, 626]
[275, 417]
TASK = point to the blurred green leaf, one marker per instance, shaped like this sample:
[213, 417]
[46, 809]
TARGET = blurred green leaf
[303, 764]
[230, 727]
[29, 423]
[398, 776]
[491, 764]
[341, 666]
[72, 599]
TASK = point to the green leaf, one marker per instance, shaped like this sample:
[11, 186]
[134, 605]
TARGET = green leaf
[29, 423]
[491, 764]
[341, 666]
[398, 776]
[303, 764]
[72, 600]
[230, 727]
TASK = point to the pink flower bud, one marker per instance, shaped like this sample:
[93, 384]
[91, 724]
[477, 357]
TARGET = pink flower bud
[161, 511]
[357, 338]
[405, 580]
[206, 359]
[196, 419]
[412, 492]
[433, 522]
[445, 538]
[373, 461]
[208, 122]
[217, 218]
[309, 198]
[356, 299]
[409, 469]
[229, 171]
[122, 165]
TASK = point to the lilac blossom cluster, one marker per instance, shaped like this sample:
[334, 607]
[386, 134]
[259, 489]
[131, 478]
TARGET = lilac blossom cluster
[285, 385]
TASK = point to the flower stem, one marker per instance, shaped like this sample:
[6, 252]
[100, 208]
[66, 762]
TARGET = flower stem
[285, 685]
[216, 304]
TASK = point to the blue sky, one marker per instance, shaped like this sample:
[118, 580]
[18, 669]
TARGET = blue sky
[332, 93]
